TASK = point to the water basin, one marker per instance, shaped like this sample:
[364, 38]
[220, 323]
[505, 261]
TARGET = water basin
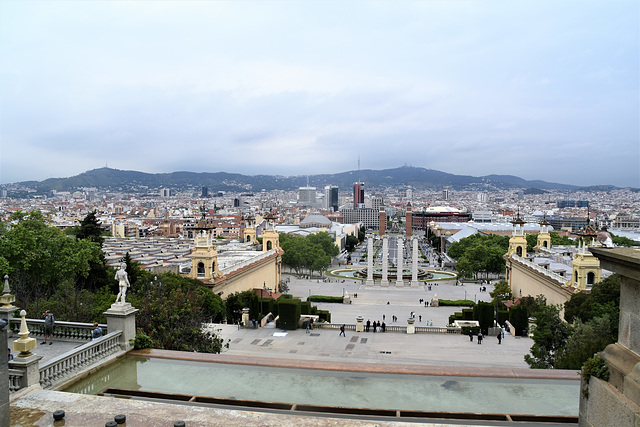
[337, 388]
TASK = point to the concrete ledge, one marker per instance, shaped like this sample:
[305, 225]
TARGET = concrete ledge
[607, 407]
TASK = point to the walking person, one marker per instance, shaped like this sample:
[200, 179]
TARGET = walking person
[342, 331]
[499, 337]
[49, 323]
[479, 337]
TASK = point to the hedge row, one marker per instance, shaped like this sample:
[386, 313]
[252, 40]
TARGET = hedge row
[324, 298]
[459, 302]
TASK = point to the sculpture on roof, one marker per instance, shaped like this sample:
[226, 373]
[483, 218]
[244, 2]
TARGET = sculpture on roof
[604, 237]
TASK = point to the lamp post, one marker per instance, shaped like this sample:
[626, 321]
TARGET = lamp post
[264, 286]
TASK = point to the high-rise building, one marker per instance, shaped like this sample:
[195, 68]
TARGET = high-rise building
[445, 195]
[166, 192]
[331, 198]
[358, 195]
[205, 192]
[307, 196]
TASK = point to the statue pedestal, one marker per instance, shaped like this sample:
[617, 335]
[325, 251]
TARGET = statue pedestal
[359, 324]
[369, 282]
[384, 283]
[122, 317]
[399, 283]
[411, 328]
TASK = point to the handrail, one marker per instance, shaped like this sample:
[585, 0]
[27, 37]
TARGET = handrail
[555, 276]
[64, 330]
[67, 364]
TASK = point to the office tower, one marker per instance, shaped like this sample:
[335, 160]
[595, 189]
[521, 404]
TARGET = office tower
[358, 195]
[205, 192]
[307, 196]
[331, 198]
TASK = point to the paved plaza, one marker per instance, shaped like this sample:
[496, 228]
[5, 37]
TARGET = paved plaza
[389, 347]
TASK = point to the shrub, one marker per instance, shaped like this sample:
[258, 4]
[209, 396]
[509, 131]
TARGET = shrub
[305, 307]
[518, 317]
[596, 367]
[324, 315]
[483, 312]
[141, 341]
[458, 302]
[324, 298]
[289, 312]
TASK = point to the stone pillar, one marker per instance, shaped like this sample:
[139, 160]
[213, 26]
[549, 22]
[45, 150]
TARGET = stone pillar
[4, 383]
[26, 361]
[385, 261]
[122, 317]
[7, 309]
[369, 261]
[359, 324]
[411, 327]
[399, 281]
[414, 264]
[616, 402]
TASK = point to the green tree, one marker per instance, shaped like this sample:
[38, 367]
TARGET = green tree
[549, 338]
[623, 241]
[312, 252]
[236, 301]
[603, 300]
[532, 241]
[172, 310]
[90, 229]
[501, 288]
[351, 243]
[39, 258]
[586, 340]
[99, 274]
[480, 254]
[556, 240]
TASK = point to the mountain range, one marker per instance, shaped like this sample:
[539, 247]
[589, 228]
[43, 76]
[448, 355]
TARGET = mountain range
[416, 177]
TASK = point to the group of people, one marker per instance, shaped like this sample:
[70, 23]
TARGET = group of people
[481, 337]
[376, 326]
[50, 323]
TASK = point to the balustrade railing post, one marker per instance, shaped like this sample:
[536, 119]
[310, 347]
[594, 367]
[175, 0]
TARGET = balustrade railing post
[122, 317]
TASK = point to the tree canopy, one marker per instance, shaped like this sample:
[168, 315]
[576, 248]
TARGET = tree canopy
[312, 252]
[38, 258]
[480, 254]
[549, 338]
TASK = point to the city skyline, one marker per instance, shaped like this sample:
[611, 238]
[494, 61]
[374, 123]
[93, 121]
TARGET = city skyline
[540, 90]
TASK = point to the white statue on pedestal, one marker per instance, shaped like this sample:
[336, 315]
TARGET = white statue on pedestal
[123, 282]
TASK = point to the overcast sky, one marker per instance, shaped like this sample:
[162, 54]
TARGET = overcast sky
[539, 89]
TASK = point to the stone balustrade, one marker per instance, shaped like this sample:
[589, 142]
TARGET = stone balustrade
[63, 330]
[16, 380]
[555, 276]
[66, 365]
[396, 328]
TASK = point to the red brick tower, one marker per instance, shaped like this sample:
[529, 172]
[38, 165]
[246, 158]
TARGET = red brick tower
[382, 221]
